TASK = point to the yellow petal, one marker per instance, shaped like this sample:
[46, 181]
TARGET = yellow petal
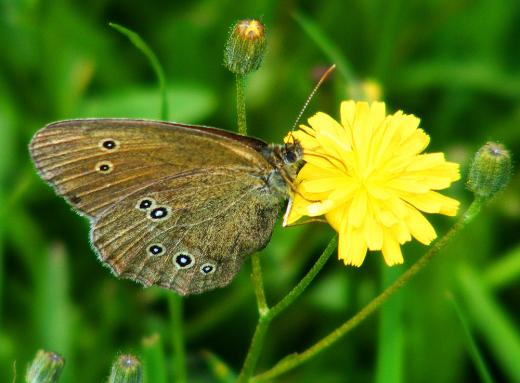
[337, 217]
[323, 123]
[396, 206]
[373, 233]
[415, 143]
[408, 125]
[351, 247]
[358, 209]
[348, 112]
[320, 185]
[433, 202]
[391, 249]
[312, 171]
[361, 132]
[419, 226]
[307, 141]
[401, 232]
[319, 208]
[408, 185]
[337, 198]
[329, 130]
[324, 160]
[426, 161]
[447, 170]
[296, 208]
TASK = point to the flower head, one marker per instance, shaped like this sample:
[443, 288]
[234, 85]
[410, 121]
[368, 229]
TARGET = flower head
[368, 176]
[45, 367]
[490, 171]
[245, 47]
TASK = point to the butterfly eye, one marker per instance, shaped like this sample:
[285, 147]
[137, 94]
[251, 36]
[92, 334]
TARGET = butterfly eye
[183, 260]
[207, 268]
[289, 155]
[155, 249]
[145, 204]
[159, 213]
[104, 167]
[108, 144]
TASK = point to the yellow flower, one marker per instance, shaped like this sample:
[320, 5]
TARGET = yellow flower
[368, 177]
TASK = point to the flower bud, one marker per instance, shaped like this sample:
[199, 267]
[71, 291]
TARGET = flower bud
[126, 369]
[245, 47]
[46, 367]
[490, 171]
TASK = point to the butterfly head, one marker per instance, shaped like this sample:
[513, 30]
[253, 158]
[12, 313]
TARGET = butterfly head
[291, 153]
[286, 160]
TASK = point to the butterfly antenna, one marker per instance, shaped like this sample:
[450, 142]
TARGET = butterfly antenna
[320, 81]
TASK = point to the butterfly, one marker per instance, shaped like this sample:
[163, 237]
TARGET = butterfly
[174, 205]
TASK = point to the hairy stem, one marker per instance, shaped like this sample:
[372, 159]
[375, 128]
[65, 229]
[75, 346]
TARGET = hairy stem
[267, 315]
[291, 362]
[241, 104]
[258, 284]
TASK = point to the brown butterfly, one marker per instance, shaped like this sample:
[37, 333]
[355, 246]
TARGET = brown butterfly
[173, 205]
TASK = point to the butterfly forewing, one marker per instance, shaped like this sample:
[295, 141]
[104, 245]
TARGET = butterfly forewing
[95, 163]
[191, 232]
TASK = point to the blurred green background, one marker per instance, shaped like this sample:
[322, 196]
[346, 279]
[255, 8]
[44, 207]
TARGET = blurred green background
[453, 63]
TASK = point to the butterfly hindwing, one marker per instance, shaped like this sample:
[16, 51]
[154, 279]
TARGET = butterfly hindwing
[190, 232]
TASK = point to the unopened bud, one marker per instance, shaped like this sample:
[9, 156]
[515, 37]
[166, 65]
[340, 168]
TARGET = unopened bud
[45, 368]
[245, 47]
[490, 171]
[126, 369]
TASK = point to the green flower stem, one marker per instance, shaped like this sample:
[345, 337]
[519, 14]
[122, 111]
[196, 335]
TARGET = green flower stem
[258, 285]
[267, 315]
[254, 349]
[306, 280]
[179, 354]
[241, 103]
[294, 360]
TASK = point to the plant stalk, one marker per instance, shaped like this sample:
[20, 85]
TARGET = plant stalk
[241, 104]
[267, 315]
[291, 362]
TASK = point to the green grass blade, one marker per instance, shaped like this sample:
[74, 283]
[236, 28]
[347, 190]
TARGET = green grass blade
[329, 49]
[154, 360]
[390, 28]
[504, 270]
[52, 305]
[389, 368]
[492, 322]
[7, 163]
[220, 370]
[179, 353]
[473, 349]
[140, 44]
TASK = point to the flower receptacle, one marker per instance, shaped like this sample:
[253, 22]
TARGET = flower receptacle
[490, 170]
[245, 47]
